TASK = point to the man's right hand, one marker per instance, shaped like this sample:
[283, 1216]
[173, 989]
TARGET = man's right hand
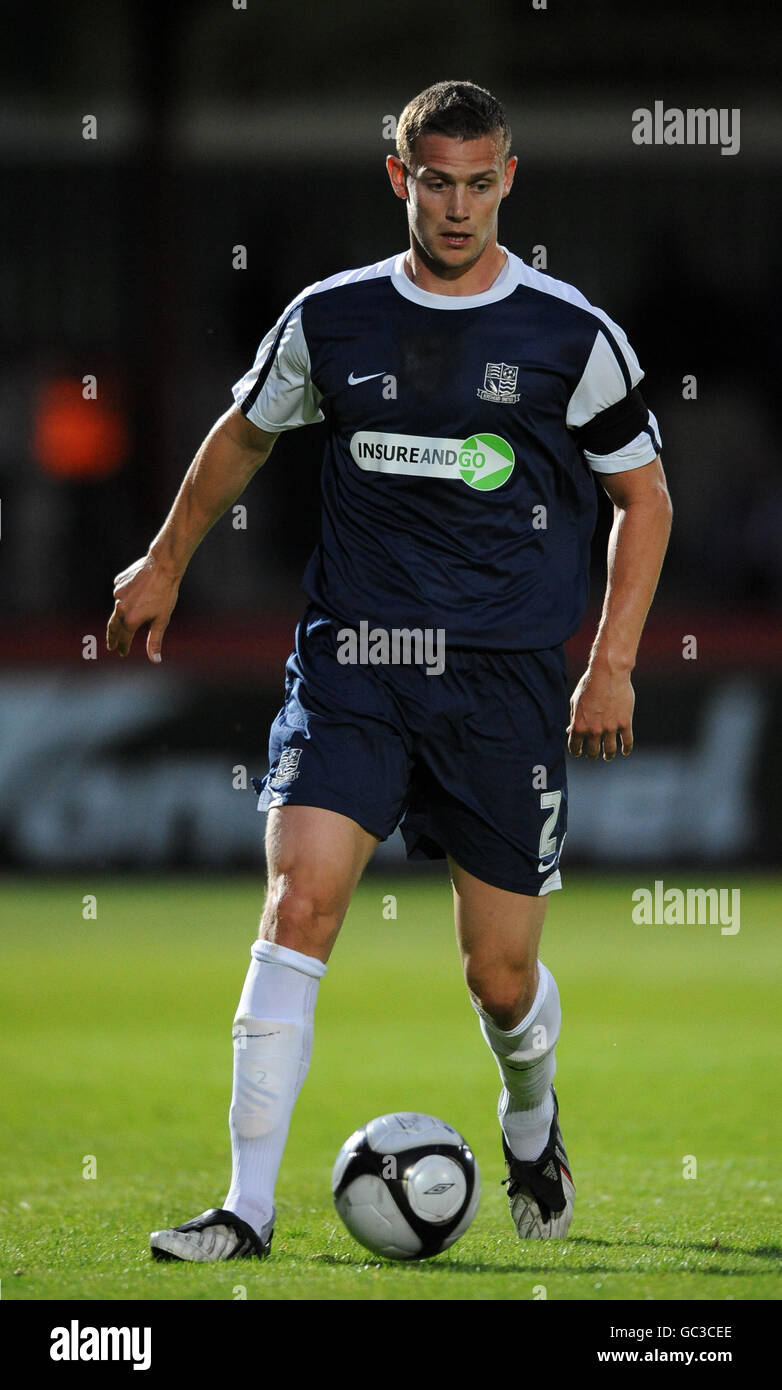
[143, 593]
[146, 592]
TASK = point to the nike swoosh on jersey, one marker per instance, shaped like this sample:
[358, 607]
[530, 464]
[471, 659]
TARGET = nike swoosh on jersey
[546, 868]
[357, 380]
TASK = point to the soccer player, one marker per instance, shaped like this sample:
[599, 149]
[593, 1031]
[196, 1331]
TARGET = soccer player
[469, 399]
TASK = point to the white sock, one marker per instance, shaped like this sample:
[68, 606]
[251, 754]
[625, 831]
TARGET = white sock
[272, 1049]
[525, 1058]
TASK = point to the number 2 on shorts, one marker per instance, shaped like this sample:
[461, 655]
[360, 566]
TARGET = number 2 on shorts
[548, 841]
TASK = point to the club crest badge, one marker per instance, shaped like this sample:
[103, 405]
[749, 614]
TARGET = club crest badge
[499, 384]
[287, 768]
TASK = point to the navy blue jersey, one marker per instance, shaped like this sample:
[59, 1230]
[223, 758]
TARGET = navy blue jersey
[462, 435]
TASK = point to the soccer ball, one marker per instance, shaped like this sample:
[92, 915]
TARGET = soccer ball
[406, 1185]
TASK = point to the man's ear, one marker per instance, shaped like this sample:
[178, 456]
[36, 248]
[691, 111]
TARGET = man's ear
[510, 170]
[398, 175]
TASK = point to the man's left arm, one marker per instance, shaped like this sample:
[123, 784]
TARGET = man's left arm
[601, 707]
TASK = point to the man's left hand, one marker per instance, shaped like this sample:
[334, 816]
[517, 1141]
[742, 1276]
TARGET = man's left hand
[601, 714]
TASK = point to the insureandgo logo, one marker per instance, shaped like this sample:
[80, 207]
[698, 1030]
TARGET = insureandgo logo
[77, 1343]
[484, 461]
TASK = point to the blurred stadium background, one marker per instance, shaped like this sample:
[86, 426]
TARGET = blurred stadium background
[221, 127]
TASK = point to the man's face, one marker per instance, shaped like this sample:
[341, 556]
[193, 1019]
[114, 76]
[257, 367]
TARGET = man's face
[453, 195]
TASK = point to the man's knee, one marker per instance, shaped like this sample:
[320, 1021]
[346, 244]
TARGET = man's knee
[315, 859]
[505, 994]
[301, 912]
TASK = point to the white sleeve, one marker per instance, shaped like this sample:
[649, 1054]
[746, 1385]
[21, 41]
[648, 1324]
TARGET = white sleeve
[277, 393]
[612, 372]
[642, 448]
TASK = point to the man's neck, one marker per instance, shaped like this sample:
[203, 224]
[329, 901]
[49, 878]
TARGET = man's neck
[473, 279]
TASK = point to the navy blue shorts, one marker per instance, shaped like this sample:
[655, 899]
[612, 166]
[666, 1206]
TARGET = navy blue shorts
[470, 761]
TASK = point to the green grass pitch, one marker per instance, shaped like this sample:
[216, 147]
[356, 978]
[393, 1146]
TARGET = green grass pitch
[115, 1038]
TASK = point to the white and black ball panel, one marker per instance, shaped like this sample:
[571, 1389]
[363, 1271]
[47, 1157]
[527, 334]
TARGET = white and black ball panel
[344, 1156]
[436, 1187]
[426, 1183]
[464, 1220]
[367, 1204]
[389, 1134]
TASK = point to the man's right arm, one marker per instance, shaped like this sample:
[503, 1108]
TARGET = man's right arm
[146, 592]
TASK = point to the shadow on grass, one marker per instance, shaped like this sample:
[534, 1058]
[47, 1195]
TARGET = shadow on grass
[581, 1243]
[759, 1252]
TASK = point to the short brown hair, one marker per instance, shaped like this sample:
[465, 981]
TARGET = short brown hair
[458, 109]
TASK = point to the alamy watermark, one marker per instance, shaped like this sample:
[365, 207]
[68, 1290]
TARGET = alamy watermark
[663, 906]
[77, 1343]
[396, 646]
[697, 125]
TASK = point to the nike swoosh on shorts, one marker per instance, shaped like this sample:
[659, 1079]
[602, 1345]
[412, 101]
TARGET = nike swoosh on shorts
[357, 380]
